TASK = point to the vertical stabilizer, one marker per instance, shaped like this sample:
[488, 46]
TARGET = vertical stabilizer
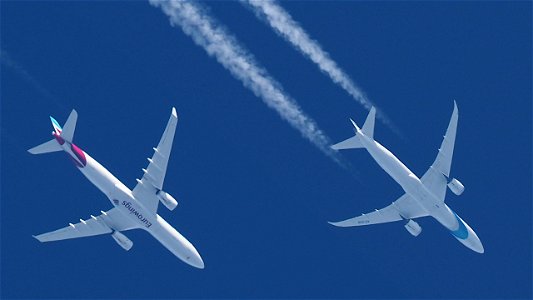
[55, 124]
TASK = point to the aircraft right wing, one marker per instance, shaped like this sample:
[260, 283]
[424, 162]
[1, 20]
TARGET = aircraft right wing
[102, 224]
[403, 208]
[154, 174]
[435, 179]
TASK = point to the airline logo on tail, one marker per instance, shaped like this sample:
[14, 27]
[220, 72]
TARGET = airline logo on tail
[56, 125]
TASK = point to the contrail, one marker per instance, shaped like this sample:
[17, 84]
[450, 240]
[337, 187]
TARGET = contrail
[8, 62]
[218, 43]
[284, 25]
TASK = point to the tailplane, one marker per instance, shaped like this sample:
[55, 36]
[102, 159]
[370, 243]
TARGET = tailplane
[368, 127]
[367, 130]
[61, 134]
[70, 125]
[50, 146]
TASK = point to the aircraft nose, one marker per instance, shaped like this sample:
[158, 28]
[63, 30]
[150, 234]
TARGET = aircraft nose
[196, 261]
[473, 242]
[478, 246]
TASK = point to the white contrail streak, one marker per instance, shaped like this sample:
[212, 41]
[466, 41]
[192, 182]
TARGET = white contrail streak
[218, 43]
[7, 61]
[284, 25]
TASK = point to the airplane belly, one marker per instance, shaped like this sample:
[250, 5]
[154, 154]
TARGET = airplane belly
[176, 243]
[99, 176]
[435, 208]
[389, 163]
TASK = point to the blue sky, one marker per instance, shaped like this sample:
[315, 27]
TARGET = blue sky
[254, 196]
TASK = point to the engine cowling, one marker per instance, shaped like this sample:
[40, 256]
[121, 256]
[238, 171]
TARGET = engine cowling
[413, 228]
[456, 187]
[167, 200]
[122, 240]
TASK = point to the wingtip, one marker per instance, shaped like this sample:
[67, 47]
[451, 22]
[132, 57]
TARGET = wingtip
[37, 238]
[74, 113]
[174, 113]
[333, 223]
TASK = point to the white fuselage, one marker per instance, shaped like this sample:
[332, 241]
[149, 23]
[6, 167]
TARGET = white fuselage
[412, 185]
[132, 208]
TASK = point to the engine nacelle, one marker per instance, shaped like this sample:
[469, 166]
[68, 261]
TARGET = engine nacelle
[122, 240]
[167, 200]
[456, 187]
[413, 228]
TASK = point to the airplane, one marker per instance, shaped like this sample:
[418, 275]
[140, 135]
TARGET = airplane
[423, 196]
[133, 209]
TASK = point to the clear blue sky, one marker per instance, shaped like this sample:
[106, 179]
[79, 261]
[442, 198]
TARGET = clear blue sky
[254, 196]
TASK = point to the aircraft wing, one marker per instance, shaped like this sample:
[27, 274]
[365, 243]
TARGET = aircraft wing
[435, 179]
[154, 174]
[403, 208]
[102, 224]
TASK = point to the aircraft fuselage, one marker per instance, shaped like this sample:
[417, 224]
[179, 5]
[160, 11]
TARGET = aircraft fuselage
[412, 185]
[132, 208]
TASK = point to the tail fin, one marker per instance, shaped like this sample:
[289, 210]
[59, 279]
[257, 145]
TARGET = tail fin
[60, 134]
[367, 130]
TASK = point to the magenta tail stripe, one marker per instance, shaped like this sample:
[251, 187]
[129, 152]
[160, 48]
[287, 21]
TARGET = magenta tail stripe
[79, 154]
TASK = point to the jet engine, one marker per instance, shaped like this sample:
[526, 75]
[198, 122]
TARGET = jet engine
[167, 200]
[413, 228]
[122, 240]
[456, 187]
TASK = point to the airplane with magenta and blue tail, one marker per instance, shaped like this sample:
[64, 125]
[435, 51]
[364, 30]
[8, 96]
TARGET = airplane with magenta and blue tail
[133, 209]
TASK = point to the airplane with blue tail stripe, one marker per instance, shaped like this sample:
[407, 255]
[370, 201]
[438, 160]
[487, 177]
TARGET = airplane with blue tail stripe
[423, 196]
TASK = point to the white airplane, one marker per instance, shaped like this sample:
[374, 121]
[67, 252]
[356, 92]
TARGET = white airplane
[133, 209]
[424, 196]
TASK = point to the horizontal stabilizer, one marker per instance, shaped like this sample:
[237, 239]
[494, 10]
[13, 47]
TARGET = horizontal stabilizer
[350, 143]
[368, 127]
[70, 125]
[367, 130]
[50, 146]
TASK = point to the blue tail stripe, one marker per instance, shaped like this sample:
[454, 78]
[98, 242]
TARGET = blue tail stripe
[55, 123]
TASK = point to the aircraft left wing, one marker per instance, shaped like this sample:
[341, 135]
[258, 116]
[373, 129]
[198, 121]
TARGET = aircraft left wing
[105, 223]
[403, 208]
[154, 174]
